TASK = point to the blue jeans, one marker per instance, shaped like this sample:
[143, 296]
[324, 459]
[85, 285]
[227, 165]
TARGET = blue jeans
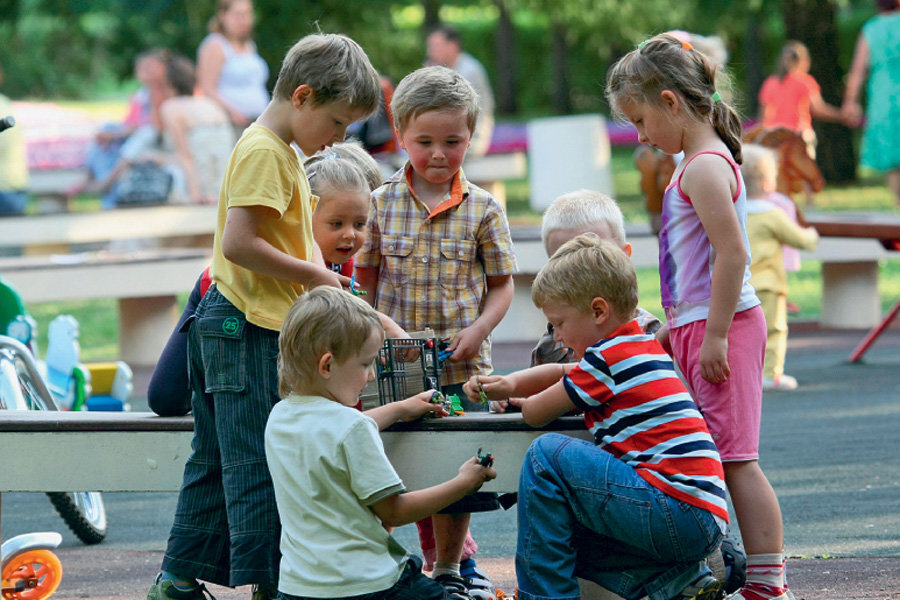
[584, 513]
[226, 527]
[12, 202]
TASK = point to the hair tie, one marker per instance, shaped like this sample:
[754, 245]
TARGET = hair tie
[330, 155]
[687, 45]
[642, 44]
[716, 97]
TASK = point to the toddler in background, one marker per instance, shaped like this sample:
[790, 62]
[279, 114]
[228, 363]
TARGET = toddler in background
[769, 227]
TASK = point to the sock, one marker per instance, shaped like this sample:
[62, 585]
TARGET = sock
[182, 584]
[765, 577]
[445, 568]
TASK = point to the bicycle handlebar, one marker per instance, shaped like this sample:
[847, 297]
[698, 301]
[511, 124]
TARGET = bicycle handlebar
[7, 122]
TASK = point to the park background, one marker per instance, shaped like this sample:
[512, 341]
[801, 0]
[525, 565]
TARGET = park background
[544, 58]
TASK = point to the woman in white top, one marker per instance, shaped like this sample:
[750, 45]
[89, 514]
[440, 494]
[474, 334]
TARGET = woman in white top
[229, 69]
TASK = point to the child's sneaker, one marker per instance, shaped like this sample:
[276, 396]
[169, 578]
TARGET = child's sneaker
[261, 593]
[783, 383]
[705, 587]
[455, 586]
[787, 595]
[477, 581]
[165, 589]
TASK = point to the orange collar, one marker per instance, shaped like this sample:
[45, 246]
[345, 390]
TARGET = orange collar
[456, 193]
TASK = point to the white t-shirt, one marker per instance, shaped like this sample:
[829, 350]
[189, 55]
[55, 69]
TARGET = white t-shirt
[328, 466]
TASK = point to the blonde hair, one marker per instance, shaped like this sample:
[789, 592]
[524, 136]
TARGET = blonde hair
[666, 63]
[335, 67]
[759, 168]
[324, 319]
[433, 88]
[343, 166]
[580, 209]
[584, 268]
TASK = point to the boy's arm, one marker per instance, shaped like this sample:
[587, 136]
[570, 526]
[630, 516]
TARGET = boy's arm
[545, 406]
[526, 382]
[406, 410]
[499, 296]
[242, 245]
[409, 507]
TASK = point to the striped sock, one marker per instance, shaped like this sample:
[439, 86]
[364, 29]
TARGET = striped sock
[765, 577]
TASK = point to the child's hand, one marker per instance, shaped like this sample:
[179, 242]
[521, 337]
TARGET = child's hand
[323, 276]
[498, 406]
[419, 405]
[714, 359]
[495, 387]
[466, 343]
[475, 475]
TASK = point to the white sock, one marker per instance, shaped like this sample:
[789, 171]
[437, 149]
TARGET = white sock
[445, 568]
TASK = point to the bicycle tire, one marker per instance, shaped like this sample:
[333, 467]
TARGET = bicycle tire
[83, 512]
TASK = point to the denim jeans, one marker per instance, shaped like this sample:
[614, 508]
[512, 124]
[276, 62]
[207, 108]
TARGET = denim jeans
[226, 527]
[584, 513]
[412, 585]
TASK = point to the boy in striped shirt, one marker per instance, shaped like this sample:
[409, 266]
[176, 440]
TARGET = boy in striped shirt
[639, 511]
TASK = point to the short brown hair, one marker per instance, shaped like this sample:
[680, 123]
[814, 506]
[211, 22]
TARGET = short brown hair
[335, 67]
[433, 88]
[324, 319]
[584, 268]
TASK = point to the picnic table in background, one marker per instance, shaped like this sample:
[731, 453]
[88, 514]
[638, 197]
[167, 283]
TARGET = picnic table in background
[883, 227]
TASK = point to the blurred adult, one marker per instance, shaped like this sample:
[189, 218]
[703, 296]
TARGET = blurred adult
[197, 136]
[443, 48]
[116, 144]
[13, 165]
[229, 69]
[877, 56]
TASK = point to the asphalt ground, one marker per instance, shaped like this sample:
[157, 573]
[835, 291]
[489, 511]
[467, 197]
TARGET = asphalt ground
[829, 449]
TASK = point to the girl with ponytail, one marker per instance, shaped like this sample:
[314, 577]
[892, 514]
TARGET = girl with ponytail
[716, 330]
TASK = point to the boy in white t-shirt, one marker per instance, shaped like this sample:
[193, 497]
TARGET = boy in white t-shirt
[335, 488]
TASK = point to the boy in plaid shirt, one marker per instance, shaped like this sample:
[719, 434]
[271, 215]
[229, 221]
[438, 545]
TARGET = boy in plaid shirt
[439, 255]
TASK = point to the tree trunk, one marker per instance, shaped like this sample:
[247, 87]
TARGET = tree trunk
[754, 67]
[432, 15]
[562, 101]
[813, 23]
[505, 55]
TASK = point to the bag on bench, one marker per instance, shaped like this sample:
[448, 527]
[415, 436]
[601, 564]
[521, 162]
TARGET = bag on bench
[144, 183]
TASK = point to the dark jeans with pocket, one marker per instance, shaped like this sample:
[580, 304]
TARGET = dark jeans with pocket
[412, 585]
[226, 528]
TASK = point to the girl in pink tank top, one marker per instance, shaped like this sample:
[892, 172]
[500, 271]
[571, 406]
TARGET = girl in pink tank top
[715, 328]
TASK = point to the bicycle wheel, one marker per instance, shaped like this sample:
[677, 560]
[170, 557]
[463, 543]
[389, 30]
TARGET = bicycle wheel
[32, 575]
[83, 512]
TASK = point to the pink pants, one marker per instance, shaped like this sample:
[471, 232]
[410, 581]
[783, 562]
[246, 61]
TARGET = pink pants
[731, 409]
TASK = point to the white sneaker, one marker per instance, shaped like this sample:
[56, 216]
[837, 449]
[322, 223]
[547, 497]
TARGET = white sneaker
[781, 384]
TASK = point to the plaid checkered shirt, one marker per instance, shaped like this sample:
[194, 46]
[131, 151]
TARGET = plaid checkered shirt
[432, 265]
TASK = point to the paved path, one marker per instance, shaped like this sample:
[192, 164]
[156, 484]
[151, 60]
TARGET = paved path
[830, 450]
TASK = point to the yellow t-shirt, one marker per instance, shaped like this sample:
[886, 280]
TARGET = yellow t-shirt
[264, 171]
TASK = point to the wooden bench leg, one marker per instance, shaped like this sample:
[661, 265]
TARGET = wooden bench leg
[850, 295]
[145, 325]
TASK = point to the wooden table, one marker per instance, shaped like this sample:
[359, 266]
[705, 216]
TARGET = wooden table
[883, 227]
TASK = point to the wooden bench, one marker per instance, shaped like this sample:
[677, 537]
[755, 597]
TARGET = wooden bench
[490, 171]
[145, 282]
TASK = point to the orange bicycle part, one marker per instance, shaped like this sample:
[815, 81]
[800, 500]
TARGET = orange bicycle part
[32, 575]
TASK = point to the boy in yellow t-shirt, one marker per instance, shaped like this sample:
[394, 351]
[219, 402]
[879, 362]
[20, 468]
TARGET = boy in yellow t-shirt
[226, 527]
